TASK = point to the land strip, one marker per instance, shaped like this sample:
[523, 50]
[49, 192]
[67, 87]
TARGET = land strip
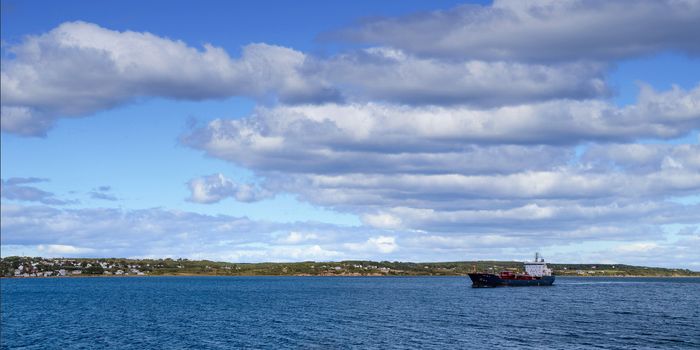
[15, 266]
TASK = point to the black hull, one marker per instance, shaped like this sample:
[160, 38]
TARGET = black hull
[488, 280]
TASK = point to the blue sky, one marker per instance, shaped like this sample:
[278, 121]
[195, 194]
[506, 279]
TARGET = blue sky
[393, 130]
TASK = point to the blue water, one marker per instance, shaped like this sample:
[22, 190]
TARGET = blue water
[347, 312]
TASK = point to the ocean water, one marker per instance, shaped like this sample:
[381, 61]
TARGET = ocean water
[346, 313]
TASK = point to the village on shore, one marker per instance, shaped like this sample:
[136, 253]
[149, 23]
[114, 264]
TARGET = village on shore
[41, 267]
[15, 266]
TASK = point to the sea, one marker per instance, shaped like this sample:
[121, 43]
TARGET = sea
[347, 313]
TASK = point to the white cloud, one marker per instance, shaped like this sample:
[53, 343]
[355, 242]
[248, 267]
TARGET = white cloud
[562, 30]
[62, 249]
[637, 247]
[314, 133]
[216, 187]
[643, 158]
[282, 254]
[295, 237]
[379, 244]
[382, 220]
[573, 220]
[382, 74]
[457, 169]
[390, 163]
[80, 68]
[480, 126]
[166, 233]
[564, 183]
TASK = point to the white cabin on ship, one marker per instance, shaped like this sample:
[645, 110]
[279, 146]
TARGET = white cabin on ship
[537, 268]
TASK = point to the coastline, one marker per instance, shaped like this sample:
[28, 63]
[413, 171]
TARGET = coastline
[38, 267]
[309, 275]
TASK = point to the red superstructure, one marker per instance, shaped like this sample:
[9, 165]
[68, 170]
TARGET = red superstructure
[508, 275]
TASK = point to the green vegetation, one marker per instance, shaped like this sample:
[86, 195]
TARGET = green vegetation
[36, 266]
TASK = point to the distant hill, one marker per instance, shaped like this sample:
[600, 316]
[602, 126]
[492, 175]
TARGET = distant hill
[45, 267]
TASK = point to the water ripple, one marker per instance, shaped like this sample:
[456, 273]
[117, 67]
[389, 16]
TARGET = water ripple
[354, 313]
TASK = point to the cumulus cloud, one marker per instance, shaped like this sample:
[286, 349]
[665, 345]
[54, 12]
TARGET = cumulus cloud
[541, 219]
[216, 187]
[643, 158]
[80, 68]
[382, 74]
[547, 31]
[459, 168]
[314, 133]
[562, 183]
[479, 126]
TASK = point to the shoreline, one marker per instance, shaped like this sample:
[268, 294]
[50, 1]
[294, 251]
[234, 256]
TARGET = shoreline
[308, 275]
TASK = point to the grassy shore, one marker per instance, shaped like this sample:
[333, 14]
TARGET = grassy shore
[9, 266]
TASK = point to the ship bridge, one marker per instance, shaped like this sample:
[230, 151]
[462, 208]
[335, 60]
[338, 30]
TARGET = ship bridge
[537, 268]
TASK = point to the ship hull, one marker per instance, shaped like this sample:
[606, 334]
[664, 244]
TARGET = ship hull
[485, 280]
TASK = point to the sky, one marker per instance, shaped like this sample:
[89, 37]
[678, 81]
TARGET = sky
[323, 130]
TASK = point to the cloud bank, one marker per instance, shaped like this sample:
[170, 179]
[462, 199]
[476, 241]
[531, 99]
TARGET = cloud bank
[542, 31]
[168, 233]
[448, 132]
[79, 68]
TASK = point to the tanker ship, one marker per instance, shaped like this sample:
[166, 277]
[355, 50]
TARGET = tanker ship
[536, 274]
